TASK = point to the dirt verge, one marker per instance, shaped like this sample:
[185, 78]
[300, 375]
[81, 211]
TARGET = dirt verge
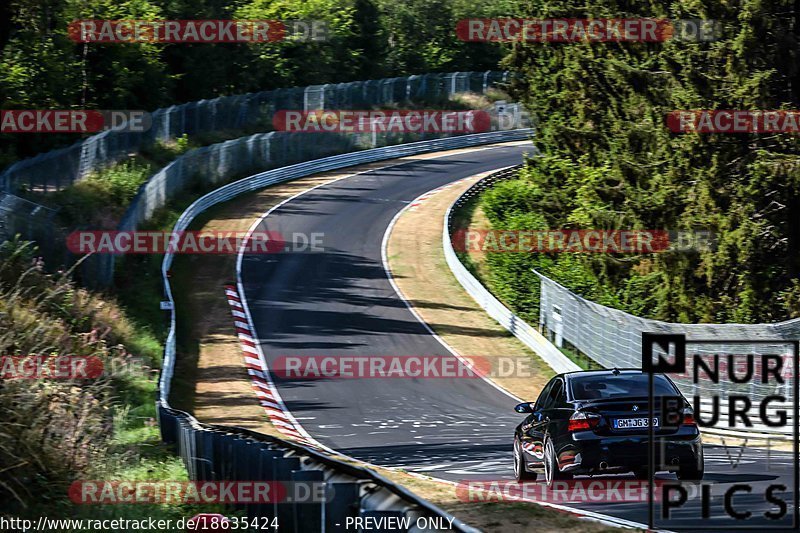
[416, 259]
[211, 381]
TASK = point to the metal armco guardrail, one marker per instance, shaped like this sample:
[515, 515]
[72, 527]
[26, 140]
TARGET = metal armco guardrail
[220, 162]
[513, 323]
[612, 338]
[59, 168]
[220, 453]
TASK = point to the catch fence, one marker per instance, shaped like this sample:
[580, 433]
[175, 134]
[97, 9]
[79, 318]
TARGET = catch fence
[252, 112]
[609, 338]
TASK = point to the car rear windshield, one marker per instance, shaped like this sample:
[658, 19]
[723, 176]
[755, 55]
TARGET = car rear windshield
[607, 386]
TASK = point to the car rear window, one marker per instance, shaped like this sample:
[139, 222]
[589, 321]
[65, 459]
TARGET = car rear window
[606, 386]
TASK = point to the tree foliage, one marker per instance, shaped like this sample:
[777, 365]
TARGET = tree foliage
[610, 162]
[40, 67]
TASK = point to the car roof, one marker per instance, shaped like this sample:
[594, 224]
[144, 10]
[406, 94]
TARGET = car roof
[603, 372]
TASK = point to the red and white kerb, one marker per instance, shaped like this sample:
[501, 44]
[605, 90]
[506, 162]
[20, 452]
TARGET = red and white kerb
[265, 390]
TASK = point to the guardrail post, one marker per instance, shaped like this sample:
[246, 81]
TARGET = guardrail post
[240, 460]
[307, 516]
[263, 466]
[180, 445]
[226, 465]
[205, 455]
[217, 455]
[341, 503]
[241, 463]
[168, 424]
[283, 467]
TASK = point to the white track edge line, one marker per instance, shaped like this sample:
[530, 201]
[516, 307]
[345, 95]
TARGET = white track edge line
[591, 515]
[246, 307]
[388, 271]
[240, 284]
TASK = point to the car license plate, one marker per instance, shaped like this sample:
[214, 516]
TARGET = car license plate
[633, 423]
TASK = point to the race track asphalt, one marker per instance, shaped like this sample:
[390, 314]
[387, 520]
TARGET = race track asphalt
[340, 302]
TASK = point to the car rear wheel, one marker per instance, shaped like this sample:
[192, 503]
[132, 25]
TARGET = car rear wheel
[691, 471]
[520, 473]
[551, 471]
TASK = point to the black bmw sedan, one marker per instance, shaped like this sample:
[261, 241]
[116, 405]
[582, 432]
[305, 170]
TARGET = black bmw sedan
[597, 422]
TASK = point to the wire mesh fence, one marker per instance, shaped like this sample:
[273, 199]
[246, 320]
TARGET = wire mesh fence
[253, 111]
[218, 163]
[28, 221]
[221, 162]
[724, 361]
[31, 222]
[613, 338]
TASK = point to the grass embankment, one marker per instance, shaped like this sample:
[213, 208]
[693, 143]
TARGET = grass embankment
[57, 431]
[472, 217]
[210, 353]
[98, 201]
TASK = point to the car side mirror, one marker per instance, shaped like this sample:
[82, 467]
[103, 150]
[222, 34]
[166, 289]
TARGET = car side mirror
[525, 407]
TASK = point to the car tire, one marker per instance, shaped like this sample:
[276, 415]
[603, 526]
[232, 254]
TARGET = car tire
[520, 473]
[691, 471]
[551, 471]
[642, 473]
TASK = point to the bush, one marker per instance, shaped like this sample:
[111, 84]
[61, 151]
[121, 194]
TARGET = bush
[57, 431]
[100, 200]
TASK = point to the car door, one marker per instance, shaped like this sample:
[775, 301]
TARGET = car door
[558, 412]
[548, 416]
[534, 427]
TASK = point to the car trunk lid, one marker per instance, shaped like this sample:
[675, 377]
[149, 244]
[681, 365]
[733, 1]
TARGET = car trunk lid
[627, 416]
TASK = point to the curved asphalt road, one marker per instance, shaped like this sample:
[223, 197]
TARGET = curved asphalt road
[340, 302]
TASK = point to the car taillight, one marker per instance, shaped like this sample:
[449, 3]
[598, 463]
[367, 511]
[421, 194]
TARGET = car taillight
[688, 417]
[581, 421]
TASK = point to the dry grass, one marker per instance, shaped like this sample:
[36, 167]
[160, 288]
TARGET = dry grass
[56, 430]
[417, 260]
[218, 390]
[211, 381]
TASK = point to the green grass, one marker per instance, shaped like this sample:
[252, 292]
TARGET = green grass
[100, 200]
[131, 447]
[465, 217]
